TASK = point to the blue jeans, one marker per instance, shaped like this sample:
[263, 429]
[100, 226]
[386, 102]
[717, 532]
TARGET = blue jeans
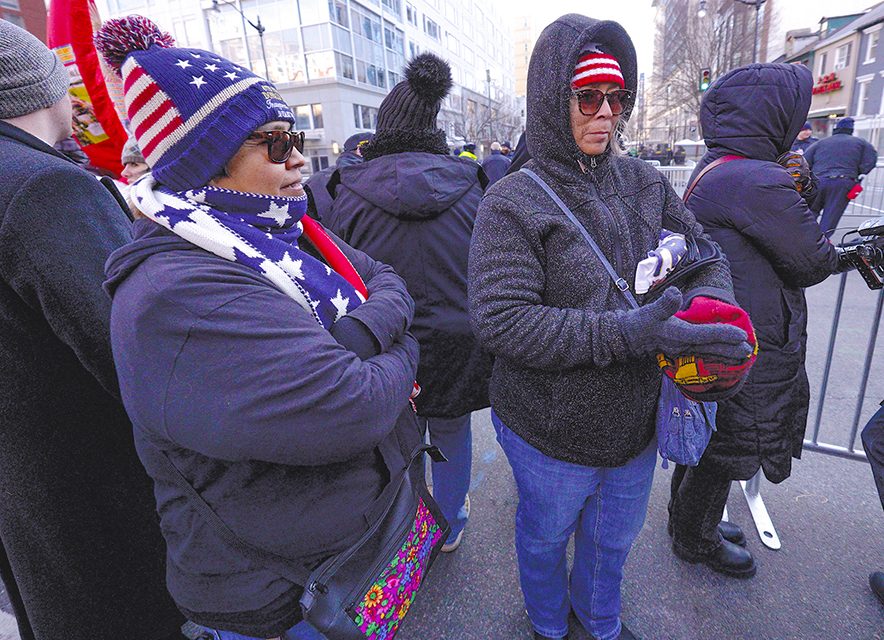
[451, 480]
[301, 631]
[604, 508]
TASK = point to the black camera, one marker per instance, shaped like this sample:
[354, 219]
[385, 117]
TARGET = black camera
[866, 254]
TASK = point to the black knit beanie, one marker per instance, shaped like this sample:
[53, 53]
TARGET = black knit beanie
[407, 116]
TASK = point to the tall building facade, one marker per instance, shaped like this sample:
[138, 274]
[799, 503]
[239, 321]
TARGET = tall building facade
[335, 60]
[27, 14]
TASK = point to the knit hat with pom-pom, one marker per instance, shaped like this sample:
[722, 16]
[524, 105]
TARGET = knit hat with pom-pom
[190, 109]
[414, 103]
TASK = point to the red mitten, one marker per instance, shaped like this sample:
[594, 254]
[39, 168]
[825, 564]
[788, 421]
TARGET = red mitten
[703, 377]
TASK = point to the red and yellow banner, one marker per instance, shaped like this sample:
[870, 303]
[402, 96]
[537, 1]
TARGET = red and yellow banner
[97, 125]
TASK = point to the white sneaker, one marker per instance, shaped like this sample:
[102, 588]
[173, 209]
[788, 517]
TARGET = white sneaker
[448, 547]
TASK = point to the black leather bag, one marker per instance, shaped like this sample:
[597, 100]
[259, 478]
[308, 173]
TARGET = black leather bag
[363, 592]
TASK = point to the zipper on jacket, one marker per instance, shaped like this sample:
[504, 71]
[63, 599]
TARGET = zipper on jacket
[618, 258]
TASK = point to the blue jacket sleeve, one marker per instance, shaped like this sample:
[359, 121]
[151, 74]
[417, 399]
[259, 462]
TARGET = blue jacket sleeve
[869, 160]
[281, 389]
[389, 309]
[810, 154]
[55, 236]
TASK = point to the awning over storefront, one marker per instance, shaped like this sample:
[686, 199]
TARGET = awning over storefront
[827, 113]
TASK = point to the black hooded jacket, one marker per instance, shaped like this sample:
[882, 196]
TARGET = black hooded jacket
[774, 246]
[415, 211]
[541, 301]
[322, 185]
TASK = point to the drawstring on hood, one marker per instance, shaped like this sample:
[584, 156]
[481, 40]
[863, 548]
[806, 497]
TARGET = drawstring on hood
[559, 48]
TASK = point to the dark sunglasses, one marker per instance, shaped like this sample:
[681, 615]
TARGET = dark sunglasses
[589, 101]
[280, 143]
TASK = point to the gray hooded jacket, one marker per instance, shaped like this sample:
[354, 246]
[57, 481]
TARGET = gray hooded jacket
[541, 301]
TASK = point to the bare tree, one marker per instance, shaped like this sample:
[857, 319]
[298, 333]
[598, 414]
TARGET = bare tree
[685, 44]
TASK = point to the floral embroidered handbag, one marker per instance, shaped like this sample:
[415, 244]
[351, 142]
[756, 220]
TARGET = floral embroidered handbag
[364, 592]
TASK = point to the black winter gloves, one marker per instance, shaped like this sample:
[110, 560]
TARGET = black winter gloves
[652, 329]
[806, 182]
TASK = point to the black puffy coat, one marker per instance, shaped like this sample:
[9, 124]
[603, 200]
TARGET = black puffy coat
[775, 247]
[415, 211]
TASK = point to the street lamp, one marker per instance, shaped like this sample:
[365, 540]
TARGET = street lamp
[757, 4]
[260, 28]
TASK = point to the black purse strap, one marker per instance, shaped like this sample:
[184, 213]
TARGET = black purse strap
[288, 568]
[619, 282]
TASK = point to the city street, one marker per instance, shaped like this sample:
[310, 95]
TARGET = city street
[827, 515]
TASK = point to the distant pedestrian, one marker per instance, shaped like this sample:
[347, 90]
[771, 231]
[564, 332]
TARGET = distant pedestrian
[576, 381]
[839, 162]
[412, 206]
[86, 560]
[775, 249]
[506, 148]
[320, 184]
[520, 156]
[804, 139]
[134, 164]
[469, 152]
[496, 164]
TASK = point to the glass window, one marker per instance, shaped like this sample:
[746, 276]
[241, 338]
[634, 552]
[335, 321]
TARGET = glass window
[411, 14]
[284, 60]
[317, 115]
[871, 46]
[413, 48]
[313, 11]
[366, 24]
[337, 9]
[317, 38]
[823, 57]
[319, 163]
[842, 56]
[394, 6]
[302, 117]
[321, 65]
[431, 28]
[394, 39]
[345, 66]
[341, 38]
[862, 97]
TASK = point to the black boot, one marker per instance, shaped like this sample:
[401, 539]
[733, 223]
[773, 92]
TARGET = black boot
[728, 530]
[729, 559]
[537, 636]
[732, 533]
[876, 581]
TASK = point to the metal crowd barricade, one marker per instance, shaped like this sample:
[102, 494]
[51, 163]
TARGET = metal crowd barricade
[870, 204]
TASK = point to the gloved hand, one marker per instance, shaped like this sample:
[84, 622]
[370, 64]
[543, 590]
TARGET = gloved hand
[805, 182]
[653, 329]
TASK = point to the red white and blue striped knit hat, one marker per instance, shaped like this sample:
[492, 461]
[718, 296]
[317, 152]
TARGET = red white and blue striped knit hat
[189, 109]
[595, 66]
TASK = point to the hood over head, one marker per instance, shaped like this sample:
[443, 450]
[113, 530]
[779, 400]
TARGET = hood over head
[550, 141]
[413, 186]
[756, 111]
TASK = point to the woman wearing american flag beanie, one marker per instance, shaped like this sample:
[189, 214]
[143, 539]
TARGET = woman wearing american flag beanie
[268, 361]
[575, 382]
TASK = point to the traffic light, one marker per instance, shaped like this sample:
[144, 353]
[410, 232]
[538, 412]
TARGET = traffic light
[705, 79]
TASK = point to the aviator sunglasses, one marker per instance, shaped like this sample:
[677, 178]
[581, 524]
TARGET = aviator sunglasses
[589, 101]
[280, 143]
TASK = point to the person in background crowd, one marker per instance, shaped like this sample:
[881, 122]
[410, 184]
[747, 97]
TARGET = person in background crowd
[520, 155]
[412, 206]
[873, 443]
[839, 162]
[134, 164]
[496, 164]
[85, 555]
[321, 185]
[775, 249]
[575, 381]
[804, 139]
[506, 148]
[469, 152]
[277, 385]
[72, 150]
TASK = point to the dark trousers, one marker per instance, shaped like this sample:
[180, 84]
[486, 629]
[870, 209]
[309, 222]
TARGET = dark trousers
[698, 496]
[873, 443]
[833, 195]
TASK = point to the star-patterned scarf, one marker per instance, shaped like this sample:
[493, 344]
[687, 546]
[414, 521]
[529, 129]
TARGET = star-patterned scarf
[262, 233]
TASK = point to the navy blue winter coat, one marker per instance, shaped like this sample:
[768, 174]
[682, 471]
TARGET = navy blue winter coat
[803, 145]
[289, 436]
[496, 166]
[775, 248]
[415, 212]
[318, 183]
[841, 154]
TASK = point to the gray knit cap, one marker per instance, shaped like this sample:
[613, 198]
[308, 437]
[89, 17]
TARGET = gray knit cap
[31, 76]
[132, 152]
